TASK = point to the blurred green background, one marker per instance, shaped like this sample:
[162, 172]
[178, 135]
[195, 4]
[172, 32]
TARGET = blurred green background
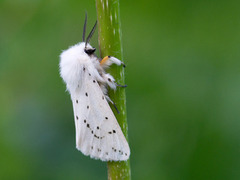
[183, 93]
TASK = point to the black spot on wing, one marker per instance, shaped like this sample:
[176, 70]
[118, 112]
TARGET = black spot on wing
[96, 136]
[112, 132]
[91, 130]
[118, 151]
[86, 94]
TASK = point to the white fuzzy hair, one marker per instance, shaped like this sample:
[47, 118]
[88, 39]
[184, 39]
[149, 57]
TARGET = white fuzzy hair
[72, 63]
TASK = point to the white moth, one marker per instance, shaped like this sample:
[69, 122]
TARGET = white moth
[98, 133]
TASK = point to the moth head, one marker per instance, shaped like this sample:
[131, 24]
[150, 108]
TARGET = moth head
[88, 49]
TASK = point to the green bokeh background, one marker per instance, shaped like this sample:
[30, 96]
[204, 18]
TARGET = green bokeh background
[183, 93]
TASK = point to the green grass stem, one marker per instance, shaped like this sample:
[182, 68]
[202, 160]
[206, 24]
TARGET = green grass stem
[109, 38]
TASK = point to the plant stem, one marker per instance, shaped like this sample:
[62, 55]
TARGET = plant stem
[109, 38]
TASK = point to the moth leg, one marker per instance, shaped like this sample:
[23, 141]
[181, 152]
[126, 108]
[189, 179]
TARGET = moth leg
[110, 81]
[108, 60]
[109, 100]
[119, 85]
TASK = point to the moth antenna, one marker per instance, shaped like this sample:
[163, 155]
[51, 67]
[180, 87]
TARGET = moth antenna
[91, 33]
[84, 27]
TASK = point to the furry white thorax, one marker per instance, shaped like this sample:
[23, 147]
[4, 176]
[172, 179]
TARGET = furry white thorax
[73, 60]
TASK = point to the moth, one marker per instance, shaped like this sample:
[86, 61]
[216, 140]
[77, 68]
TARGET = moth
[98, 133]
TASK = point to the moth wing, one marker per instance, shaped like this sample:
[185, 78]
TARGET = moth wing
[98, 133]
